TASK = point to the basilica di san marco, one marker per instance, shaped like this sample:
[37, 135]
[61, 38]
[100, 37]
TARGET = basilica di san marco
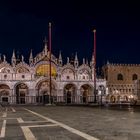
[22, 83]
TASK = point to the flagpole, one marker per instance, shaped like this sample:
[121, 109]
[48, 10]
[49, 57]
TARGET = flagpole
[50, 49]
[94, 65]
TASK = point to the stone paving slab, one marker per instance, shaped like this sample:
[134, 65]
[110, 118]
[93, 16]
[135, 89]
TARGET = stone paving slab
[104, 124]
[101, 123]
[54, 133]
[13, 129]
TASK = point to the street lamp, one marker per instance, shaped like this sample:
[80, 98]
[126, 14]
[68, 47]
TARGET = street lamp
[100, 94]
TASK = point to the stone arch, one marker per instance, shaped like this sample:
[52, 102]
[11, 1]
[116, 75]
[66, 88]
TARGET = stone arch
[112, 98]
[43, 91]
[70, 92]
[6, 68]
[120, 76]
[67, 74]
[125, 98]
[86, 91]
[43, 69]
[102, 89]
[21, 91]
[4, 93]
[118, 98]
[22, 68]
[42, 79]
[134, 77]
[84, 73]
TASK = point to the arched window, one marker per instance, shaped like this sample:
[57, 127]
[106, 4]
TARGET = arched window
[120, 77]
[23, 76]
[134, 77]
[68, 77]
[83, 77]
[5, 76]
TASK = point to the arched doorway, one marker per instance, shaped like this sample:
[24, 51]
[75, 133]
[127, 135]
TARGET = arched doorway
[119, 98]
[21, 92]
[44, 92]
[4, 93]
[86, 91]
[125, 98]
[112, 99]
[69, 93]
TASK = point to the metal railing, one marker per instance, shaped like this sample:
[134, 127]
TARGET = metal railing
[44, 99]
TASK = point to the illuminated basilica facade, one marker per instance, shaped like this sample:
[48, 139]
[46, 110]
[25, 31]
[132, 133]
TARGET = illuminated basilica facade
[22, 83]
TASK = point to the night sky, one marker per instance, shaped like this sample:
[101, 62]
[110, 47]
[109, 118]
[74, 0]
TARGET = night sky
[24, 25]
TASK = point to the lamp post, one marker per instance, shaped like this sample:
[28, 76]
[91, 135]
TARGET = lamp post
[101, 92]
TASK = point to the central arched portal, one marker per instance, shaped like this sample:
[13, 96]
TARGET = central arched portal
[70, 93]
[21, 92]
[44, 95]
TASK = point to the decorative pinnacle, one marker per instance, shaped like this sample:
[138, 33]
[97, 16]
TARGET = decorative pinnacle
[49, 24]
[60, 56]
[94, 30]
[31, 54]
[45, 40]
[76, 58]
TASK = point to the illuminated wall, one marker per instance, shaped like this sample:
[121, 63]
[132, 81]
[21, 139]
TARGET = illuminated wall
[44, 70]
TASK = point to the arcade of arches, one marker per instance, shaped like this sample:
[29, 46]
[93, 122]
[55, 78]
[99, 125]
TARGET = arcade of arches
[121, 98]
[71, 95]
[86, 91]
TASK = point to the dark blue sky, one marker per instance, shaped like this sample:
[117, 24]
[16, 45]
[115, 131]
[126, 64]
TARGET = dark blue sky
[24, 24]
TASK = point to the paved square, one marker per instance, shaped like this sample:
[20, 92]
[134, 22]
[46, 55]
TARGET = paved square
[68, 123]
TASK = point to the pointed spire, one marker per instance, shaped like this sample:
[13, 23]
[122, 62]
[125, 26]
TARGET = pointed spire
[107, 62]
[31, 57]
[83, 60]
[0, 58]
[60, 62]
[13, 59]
[92, 61]
[22, 58]
[4, 58]
[46, 46]
[60, 56]
[86, 61]
[13, 56]
[68, 60]
[18, 57]
[76, 62]
[76, 58]
[31, 54]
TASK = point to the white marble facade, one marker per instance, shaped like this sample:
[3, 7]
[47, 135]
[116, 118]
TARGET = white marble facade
[22, 83]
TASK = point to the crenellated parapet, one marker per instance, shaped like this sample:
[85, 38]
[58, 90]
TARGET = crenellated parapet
[121, 64]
